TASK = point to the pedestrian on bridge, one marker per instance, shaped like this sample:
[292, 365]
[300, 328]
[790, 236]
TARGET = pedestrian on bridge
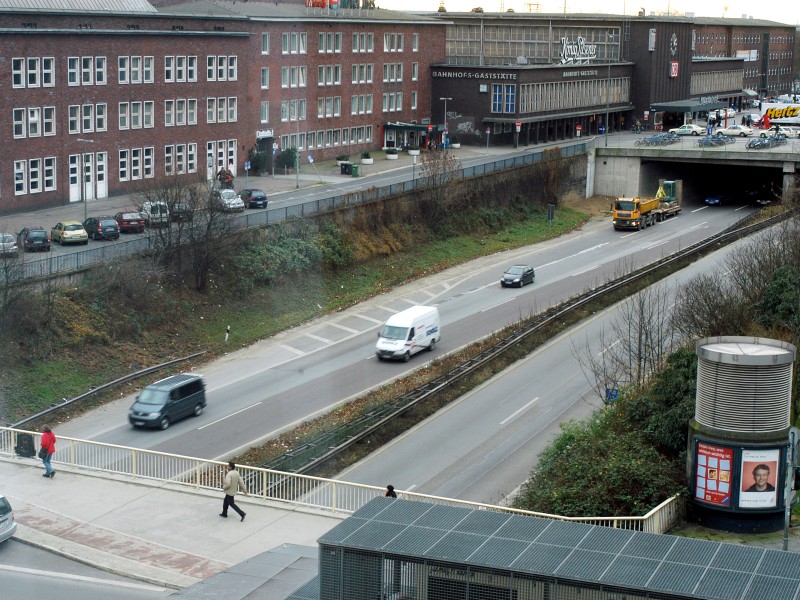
[47, 450]
[232, 483]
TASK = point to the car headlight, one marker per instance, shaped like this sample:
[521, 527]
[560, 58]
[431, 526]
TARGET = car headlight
[153, 415]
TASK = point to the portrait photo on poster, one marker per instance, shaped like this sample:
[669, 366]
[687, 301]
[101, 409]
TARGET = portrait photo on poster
[759, 478]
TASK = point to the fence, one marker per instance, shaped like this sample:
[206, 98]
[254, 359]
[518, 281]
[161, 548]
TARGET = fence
[52, 264]
[302, 490]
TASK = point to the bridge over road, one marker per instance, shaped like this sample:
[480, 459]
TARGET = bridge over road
[627, 170]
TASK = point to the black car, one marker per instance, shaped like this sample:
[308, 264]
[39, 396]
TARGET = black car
[102, 228]
[518, 275]
[33, 239]
[254, 198]
[180, 211]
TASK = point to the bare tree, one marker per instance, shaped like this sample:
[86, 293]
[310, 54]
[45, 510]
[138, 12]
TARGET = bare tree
[439, 172]
[639, 340]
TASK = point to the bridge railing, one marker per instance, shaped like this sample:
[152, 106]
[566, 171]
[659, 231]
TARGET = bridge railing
[191, 473]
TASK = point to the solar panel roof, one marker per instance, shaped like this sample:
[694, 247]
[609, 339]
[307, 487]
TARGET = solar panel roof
[572, 552]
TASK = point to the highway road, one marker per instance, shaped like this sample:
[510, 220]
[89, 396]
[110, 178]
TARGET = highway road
[256, 392]
[483, 446]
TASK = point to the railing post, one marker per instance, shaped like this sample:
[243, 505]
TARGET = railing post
[134, 464]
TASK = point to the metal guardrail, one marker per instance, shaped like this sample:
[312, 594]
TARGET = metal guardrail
[105, 386]
[52, 264]
[190, 473]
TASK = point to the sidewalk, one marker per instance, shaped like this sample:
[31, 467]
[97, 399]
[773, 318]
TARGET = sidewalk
[156, 533]
[316, 175]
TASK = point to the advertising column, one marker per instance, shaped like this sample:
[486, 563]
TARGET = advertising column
[713, 478]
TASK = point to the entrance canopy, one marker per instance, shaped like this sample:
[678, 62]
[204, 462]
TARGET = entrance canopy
[687, 106]
[750, 93]
[399, 126]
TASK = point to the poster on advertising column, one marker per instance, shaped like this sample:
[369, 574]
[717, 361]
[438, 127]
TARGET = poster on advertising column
[759, 477]
[713, 479]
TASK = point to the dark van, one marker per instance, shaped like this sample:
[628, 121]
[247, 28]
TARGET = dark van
[168, 400]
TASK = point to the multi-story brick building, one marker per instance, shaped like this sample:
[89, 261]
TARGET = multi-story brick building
[767, 48]
[130, 95]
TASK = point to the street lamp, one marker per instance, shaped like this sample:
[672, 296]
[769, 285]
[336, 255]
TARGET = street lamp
[445, 113]
[84, 199]
[609, 37]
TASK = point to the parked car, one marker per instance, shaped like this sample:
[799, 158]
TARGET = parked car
[162, 403]
[101, 228]
[8, 245]
[777, 129]
[156, 214]
[688, 129]
[254, 198]
[8, 524]
[228, 201]
[130, 222]
[716, 199]
[33, 239]
[518, 275]
[180, 211]
[69, 232]
[735, 130]
[730, 112]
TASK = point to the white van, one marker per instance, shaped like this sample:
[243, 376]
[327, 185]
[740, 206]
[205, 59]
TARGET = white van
[408, 332]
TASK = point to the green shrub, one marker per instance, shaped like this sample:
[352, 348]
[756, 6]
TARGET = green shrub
[286, 158]
[366, 154]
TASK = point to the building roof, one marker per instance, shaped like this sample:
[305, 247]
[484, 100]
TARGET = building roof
[284, 11]
[570, 552]
[79, 6]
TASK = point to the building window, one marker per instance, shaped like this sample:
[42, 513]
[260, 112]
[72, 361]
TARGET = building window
[265, 111]
[264, 78]
[413, 100]
[33, 72]
[124, 111]
[191, 68]
[503, 98]
[169, 113]
[169, 69]
[34, 175]
[414, 71]
[392, 42]
[123, 64]
[48, 72]
[393, 102]
[265, 43]
[49, 120]
[415, 42]
[87, 118]
[363, 42]
[191, 111]
[293, 43]
[18, 72]
[124, 157]
[49, 173]
[20, 177]
[100, 77]
[100, 117]
[19, 123]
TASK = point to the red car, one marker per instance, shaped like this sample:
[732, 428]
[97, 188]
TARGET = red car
[130, 222]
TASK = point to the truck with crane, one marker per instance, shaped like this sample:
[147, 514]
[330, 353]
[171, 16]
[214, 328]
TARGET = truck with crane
[638, 213]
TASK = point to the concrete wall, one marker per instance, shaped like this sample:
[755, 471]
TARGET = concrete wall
[613, 176]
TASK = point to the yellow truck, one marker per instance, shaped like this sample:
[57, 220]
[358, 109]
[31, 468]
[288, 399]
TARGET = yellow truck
[638, 213]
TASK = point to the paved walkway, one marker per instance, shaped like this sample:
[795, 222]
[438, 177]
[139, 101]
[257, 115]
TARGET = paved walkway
[151, 532]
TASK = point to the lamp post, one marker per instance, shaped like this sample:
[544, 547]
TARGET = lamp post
[84, 199]
[445, 113]
[608, 83]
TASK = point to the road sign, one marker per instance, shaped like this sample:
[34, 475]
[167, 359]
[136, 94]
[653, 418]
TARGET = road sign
[311, 160]
[247, 165]
[519, 125]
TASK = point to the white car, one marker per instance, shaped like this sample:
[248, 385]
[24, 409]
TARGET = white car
[8, 245]
[731, 113]
[688, 129]
[229, 201]
[786, 130]
[735, 129]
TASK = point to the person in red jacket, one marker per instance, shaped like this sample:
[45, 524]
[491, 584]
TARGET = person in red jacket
[49, 446]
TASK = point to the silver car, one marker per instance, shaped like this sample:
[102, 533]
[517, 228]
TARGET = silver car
[7, 523]
[8, 245]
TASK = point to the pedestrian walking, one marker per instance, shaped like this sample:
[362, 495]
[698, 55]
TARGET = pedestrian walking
[47, 450]
[232, 483]
[390, 493]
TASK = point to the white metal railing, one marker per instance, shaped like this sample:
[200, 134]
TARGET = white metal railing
[302, 490]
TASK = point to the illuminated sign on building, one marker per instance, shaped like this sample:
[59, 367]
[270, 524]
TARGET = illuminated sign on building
[577, 52]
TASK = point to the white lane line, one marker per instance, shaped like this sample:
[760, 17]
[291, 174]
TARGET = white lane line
[609, 347]
[585, 271]
[229, 416]
[592, 249]
[499, 304]
[318, 338]
[699, 209]
[515, 413]
[290, 349]
[370, 319]
[84, 578]
[656, 245]
[347, 329]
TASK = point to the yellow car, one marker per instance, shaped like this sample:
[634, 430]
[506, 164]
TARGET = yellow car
[69, 232]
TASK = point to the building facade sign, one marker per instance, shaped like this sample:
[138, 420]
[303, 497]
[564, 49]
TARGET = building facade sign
[577, 52]
[474, 75]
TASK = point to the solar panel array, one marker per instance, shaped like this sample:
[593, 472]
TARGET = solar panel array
[649, 564]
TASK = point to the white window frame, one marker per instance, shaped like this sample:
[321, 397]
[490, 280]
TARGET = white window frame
[148, 69]
[148, 114]
[211, 110]
[169, 113]
[33, 68]
[50, 173]
[20, 125]
[20, 177]
[123, 70]
[233, 109]
[87, 118]
[191, 69]
[48, 71]
[74, 118]
[34, 175]
[101, 116]
[191, 111]
[87, 70]
[180, 68]
[264, 78]
[265, 42]
[48, 120]
[169, 69]
[265, 111]
[100, 70]
[124, 165]
[124, 116]
[73, 70]
[18, 76]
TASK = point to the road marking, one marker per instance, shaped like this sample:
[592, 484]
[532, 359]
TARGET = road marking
[704, 224]
[290, 349]
[592, 249]
[656, 245]
[348, 329]
[514, 414]
[84, 578]
[318, 338]
[229, 416]
[499, 304]
[699, 209]
[607, 348]
[585, 271]
[366, 318]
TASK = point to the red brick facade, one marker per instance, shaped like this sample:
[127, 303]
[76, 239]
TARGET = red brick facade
[67, 91]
